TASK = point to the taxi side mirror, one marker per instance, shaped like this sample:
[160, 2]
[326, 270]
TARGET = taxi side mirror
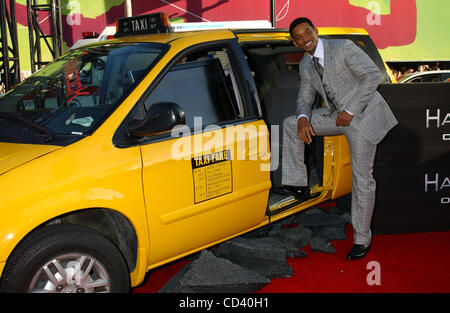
[161, 117]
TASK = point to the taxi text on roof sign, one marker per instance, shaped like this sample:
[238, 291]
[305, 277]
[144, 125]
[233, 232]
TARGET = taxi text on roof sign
[155, 23]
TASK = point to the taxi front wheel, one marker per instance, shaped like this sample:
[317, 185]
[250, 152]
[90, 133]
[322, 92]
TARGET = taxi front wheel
[65, 258]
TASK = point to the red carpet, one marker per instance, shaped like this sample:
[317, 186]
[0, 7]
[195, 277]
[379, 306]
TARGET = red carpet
[408, 263]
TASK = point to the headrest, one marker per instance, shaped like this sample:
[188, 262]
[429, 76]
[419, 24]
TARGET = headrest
[287, 79]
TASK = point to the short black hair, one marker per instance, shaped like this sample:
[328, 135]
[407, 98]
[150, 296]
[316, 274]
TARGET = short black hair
[297, 21]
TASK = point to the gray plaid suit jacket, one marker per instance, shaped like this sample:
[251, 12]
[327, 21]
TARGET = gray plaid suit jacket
[350, 79]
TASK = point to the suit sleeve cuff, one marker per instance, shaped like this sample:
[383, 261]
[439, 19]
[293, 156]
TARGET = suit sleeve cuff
[303, 115]
[348, 112]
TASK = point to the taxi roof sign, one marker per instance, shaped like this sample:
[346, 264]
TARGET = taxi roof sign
[155, 23]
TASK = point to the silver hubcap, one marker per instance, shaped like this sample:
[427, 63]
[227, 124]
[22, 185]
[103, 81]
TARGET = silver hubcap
[71, 273]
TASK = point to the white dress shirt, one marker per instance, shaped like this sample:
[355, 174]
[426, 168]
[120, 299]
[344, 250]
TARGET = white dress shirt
[319, 53]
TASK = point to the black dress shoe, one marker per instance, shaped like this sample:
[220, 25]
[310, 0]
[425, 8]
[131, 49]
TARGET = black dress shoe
[300, 193]
[357, 252]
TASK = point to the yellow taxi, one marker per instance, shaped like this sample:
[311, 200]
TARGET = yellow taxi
[127, 154]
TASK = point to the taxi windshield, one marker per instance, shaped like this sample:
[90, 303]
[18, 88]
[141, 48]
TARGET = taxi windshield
[71, 97]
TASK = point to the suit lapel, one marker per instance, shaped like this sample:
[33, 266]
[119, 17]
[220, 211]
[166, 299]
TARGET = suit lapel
[315, 78]
[314, 74]
[329, 72]
[328, 62]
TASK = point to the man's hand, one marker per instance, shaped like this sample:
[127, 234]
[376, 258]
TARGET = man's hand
[344, 119]
[305, 130]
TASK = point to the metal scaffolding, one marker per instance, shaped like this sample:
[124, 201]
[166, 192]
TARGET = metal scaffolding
[9, 66]
[53, 41]
[273, 13]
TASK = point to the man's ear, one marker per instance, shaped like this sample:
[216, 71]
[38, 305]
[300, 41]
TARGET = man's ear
[295, 44]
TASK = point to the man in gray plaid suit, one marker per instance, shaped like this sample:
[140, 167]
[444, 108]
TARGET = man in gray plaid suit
[347, 80]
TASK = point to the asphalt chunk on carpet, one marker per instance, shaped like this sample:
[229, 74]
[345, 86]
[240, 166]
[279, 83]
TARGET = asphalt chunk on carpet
[249, 262]
[266, 256]
[211, 274]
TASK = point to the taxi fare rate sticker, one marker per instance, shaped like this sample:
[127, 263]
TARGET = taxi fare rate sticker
[212, 175]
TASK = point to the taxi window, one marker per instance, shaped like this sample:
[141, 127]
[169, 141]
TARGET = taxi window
[202, 88]
[72, 96]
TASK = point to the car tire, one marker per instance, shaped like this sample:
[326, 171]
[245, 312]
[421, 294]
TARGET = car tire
[65, 258]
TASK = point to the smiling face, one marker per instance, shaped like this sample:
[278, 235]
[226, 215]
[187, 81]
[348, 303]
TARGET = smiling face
[305, 37]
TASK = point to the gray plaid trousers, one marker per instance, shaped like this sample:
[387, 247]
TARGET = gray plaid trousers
[362, 154]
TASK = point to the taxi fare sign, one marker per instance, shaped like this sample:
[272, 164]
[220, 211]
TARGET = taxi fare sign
[212, 175]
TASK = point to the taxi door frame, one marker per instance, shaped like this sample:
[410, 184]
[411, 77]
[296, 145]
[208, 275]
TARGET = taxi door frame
[176, 231]
[336, 169]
